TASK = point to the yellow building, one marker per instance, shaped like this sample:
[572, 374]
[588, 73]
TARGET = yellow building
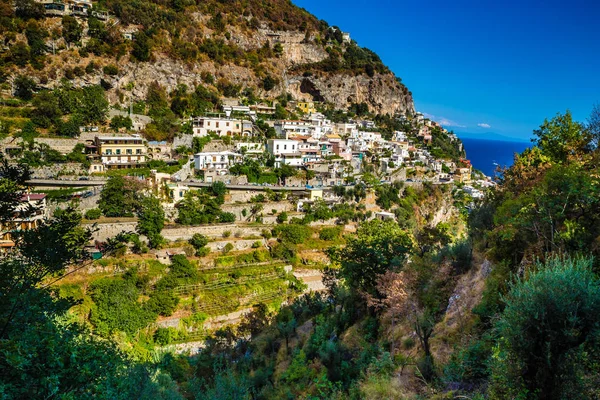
[463, 175]
[315, 194]
[121, 151]
[306, 107]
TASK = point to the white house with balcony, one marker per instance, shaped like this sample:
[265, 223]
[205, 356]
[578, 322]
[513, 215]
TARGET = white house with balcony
[286, 151]
[221, 126]
[287, 128]
[217, 163]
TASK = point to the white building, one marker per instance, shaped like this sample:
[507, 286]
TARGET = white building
[221, 126]
[286, 151]
[346, 129]
[250, 149]
[218, 162]
[285, 128]
[319, 125]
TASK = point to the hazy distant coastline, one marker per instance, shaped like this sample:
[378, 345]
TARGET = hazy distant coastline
[491, 136]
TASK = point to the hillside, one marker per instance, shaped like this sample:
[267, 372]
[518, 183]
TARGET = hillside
[254, 49]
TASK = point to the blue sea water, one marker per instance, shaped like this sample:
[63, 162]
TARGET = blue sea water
[485, 154]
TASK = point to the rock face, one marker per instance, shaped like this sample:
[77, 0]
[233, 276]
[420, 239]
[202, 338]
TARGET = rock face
[382, 93]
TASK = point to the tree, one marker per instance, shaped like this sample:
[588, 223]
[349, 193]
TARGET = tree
[71, 30]
[293, 233]
[593, 127]
[548, 333]
[24, 87]
[282, 217]
[117, 122]
[561, 138]
[47, 111]
[36, 38]
[255, 210]
[199, 242]
[285, 171]
[151, 220]
[119, 198]
[27, 9]
[94, 105]
[378, 247]
[141, 47]
[269, 83]
[46, 354]
[19, 54]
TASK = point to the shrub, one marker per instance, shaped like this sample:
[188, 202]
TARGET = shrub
[203, 252]
[330, 233]
[111, 70]
[266, 234]
[93, 213]
[162, 303]
[292, 233]
[281, 218]
[256, 245]
[163, 336]
[228, 247]
[548, 332]
[226, 234]
[198, 241]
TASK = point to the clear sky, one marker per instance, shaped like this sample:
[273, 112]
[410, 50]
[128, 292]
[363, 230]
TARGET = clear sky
[482, 66]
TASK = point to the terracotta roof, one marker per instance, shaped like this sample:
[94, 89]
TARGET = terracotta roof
[33, 196]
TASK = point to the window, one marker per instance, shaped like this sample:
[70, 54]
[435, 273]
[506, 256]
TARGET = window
[129, 151]
[217, 124]
[138, 151]
[108, 152]
[277, 147]
[285, 146]
[118, 151]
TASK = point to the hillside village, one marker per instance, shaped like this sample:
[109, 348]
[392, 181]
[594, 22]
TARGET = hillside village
[235, 195]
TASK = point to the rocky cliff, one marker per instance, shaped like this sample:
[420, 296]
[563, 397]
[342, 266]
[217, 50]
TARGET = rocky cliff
[228, 44]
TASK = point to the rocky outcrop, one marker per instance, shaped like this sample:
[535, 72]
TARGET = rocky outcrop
[382, 92]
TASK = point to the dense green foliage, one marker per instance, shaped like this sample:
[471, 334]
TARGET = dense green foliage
[44, 355]
[203, 207]
[120, 197]
[151, 220]
[549, 334]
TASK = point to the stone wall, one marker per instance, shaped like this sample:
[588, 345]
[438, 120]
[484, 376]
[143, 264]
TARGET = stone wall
[237, 209]
[108, 230]
[237, 244]
[52, 171]
[211, 231]
[173, 233]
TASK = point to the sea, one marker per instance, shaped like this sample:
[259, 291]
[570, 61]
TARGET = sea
[486, 155]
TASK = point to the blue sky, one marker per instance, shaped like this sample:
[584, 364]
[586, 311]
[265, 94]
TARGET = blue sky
[482, 66]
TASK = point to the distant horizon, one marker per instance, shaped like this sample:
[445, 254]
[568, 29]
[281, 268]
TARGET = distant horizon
[491, 137]
[481, 66]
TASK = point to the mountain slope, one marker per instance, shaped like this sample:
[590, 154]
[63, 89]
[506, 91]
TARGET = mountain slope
[269, 46]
